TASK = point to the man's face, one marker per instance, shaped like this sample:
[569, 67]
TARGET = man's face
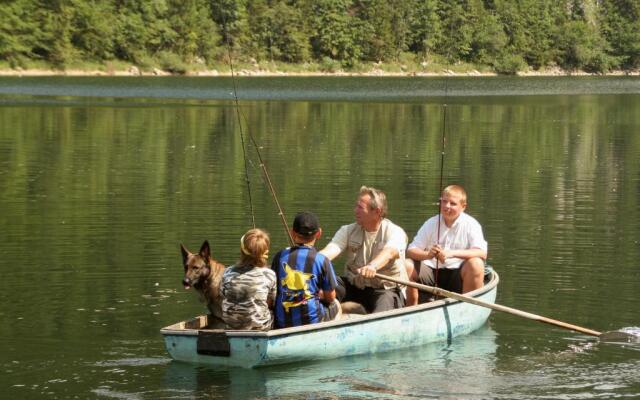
[451, 206]
[365, 216]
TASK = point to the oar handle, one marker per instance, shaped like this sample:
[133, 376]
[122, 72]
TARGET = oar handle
[445, 293]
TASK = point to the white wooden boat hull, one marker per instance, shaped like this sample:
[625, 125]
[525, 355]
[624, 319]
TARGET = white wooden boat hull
[412, 326]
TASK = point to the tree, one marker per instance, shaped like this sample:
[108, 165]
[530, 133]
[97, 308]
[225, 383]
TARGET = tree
[620, 21]
[56, 24]
[531, 28]
[93, 29]
[337, 34]
[580, 42]
[19, 33]
[389, 22]
[231, 17]
[278, 31]
[425, 28]
[196, 34]
[594, 35]
[582, 47]
[489, 40]
[141, 30]
[457, 33]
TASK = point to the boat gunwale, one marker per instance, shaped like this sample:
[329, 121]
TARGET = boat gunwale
[171, 330]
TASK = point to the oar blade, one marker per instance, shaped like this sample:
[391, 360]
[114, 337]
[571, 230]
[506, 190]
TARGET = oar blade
[624, 335]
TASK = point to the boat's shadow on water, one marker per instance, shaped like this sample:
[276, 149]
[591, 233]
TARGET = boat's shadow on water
[465, 363]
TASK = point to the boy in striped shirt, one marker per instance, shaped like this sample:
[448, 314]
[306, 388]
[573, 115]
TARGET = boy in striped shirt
[306, 280]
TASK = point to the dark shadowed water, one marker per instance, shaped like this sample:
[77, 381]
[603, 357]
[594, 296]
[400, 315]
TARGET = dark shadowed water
[102, 178]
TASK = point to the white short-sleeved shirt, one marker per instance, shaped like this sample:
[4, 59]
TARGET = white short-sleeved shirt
[465, 233]
[397, 238]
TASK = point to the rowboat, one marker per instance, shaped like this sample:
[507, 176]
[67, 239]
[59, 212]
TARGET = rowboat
[193, 341]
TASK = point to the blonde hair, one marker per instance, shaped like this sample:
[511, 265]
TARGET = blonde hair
[377, 199]
[456, 189]
[254, 248]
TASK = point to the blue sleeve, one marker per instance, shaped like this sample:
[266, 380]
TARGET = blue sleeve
[329, 281]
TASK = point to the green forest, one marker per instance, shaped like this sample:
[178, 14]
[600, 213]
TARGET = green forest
[182, 36]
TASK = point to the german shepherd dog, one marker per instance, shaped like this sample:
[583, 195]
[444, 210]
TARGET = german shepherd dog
[204, 274]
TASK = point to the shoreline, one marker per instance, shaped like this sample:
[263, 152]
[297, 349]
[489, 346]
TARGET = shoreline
[133, 72]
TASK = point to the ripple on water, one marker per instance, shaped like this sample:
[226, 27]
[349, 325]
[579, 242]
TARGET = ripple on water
[114, 394]
[133, 362]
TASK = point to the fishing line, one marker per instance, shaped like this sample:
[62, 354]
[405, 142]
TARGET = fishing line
[263, 166]
[244, 152]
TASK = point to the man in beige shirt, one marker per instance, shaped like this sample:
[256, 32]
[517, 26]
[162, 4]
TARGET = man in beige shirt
[371, 244]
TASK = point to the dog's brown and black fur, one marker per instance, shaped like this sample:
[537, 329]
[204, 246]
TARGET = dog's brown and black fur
[204, 274]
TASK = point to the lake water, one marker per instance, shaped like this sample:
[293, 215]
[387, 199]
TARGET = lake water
[101, 179]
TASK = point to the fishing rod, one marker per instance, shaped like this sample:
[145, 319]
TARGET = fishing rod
[267, 179]
[263, 166]
[442, 148]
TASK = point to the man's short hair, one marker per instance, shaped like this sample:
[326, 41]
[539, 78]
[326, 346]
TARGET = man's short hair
[456, 189]
[377, 199]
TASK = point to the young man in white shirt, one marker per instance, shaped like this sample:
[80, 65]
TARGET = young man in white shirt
[450, 248]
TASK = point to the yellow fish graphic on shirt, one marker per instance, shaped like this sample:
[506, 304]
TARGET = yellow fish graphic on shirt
[295, 287]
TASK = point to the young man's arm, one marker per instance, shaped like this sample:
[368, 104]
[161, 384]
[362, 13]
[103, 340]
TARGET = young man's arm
[476, 246]
[463, 254]
[418, 254]
[420, 249]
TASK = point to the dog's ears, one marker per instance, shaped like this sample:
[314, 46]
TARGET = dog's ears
[205, 251]
[185, 253]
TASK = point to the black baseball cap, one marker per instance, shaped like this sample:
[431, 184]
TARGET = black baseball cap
[306, 223]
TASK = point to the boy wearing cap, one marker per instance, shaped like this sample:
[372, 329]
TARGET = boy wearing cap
[306, 281]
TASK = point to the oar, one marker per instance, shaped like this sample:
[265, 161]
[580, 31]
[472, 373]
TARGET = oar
[613, 336]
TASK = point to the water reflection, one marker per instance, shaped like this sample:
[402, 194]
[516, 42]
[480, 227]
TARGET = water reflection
[404, 89]
[481, 365]
[97, 192]
[462, 369]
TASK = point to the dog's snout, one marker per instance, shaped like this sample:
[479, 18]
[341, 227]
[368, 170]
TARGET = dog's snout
[186, 282]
